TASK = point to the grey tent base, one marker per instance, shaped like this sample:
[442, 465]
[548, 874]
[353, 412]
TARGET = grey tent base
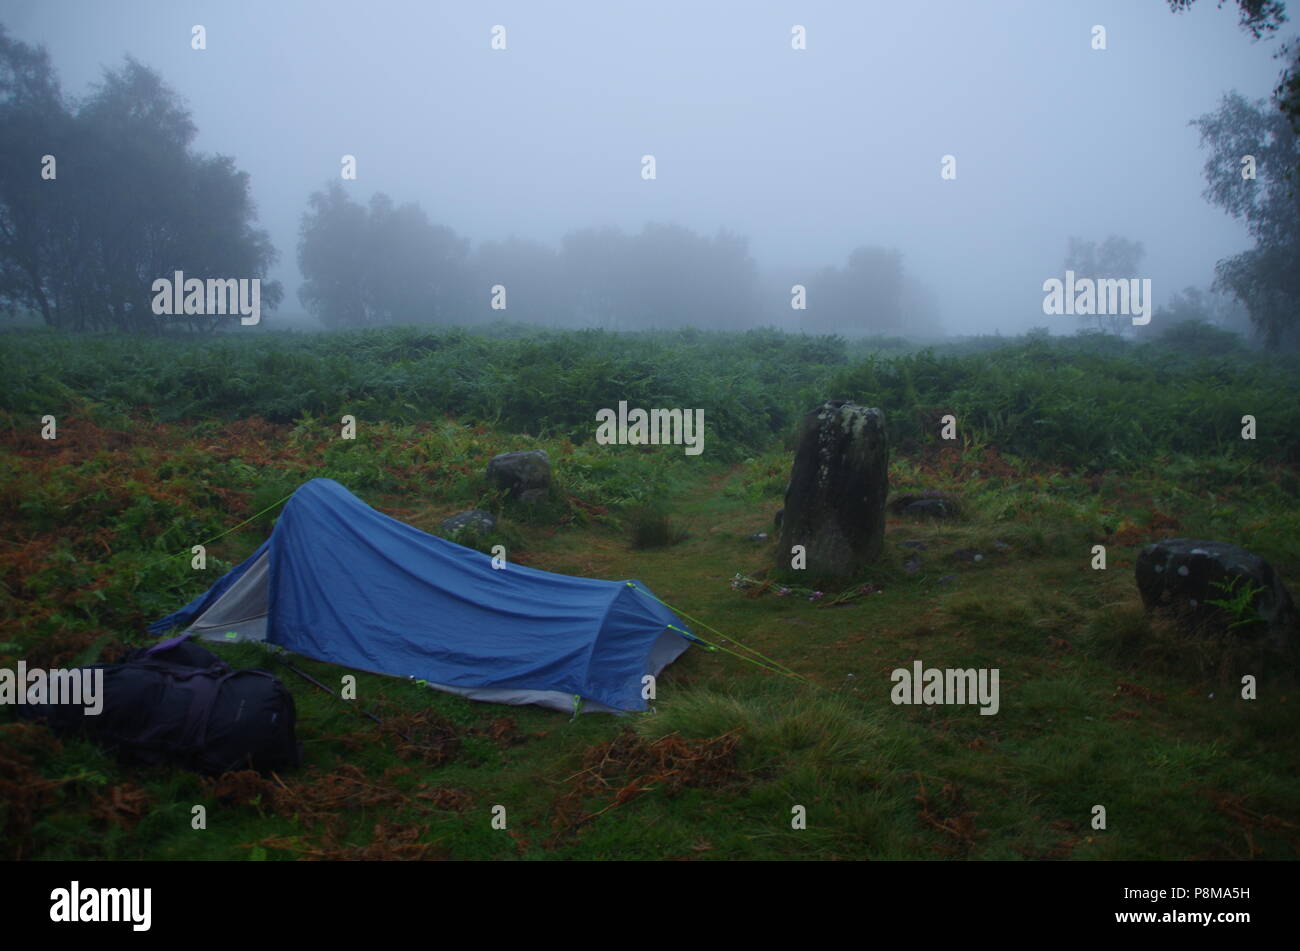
[239, 615]
[666, 650]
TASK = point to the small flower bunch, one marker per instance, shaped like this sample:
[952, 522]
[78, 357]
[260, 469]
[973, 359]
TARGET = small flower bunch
[852, 594]
[740, 582]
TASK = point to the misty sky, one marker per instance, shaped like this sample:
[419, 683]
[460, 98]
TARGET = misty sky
[809, 154]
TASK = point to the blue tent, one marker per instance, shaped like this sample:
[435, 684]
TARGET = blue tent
[340, 582]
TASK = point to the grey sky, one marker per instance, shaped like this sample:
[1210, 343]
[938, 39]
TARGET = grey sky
[807, 153]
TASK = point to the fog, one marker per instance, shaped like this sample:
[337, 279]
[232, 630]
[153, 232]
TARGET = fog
[807, 153]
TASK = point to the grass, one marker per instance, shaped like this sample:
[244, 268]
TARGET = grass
[652, 526]
[1089, 401]
[1102, 705]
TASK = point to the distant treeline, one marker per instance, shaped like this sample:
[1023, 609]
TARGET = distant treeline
[385, 265]
[102, 197]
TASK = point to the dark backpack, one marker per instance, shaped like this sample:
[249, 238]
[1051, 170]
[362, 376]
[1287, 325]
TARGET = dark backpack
[180, 704]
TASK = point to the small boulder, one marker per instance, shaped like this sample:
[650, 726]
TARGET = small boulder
[928, 504]
[525, 475]
[473, 522]
[929, 508]
[1183, 574]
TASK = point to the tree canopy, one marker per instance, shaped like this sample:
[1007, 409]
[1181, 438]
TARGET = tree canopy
[1266, 279]
[100, 198]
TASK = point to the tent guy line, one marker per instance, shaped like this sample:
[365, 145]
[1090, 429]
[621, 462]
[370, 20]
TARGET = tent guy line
[187, 551]
[770, 665]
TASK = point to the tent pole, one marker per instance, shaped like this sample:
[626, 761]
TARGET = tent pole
[312, 680]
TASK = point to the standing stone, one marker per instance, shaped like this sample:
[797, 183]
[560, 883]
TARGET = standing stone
[526, 475]
[835, 503]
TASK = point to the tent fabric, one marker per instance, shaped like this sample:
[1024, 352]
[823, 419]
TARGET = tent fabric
[340, 582]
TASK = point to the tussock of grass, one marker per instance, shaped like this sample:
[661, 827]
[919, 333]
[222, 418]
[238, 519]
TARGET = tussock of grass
[652, 526]
[781, 723]
[809, 747]
[1125, 634]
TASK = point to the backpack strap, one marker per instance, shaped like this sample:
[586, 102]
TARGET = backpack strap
[194, 736]
[203, 684]
[206, 685]
[165, 645]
